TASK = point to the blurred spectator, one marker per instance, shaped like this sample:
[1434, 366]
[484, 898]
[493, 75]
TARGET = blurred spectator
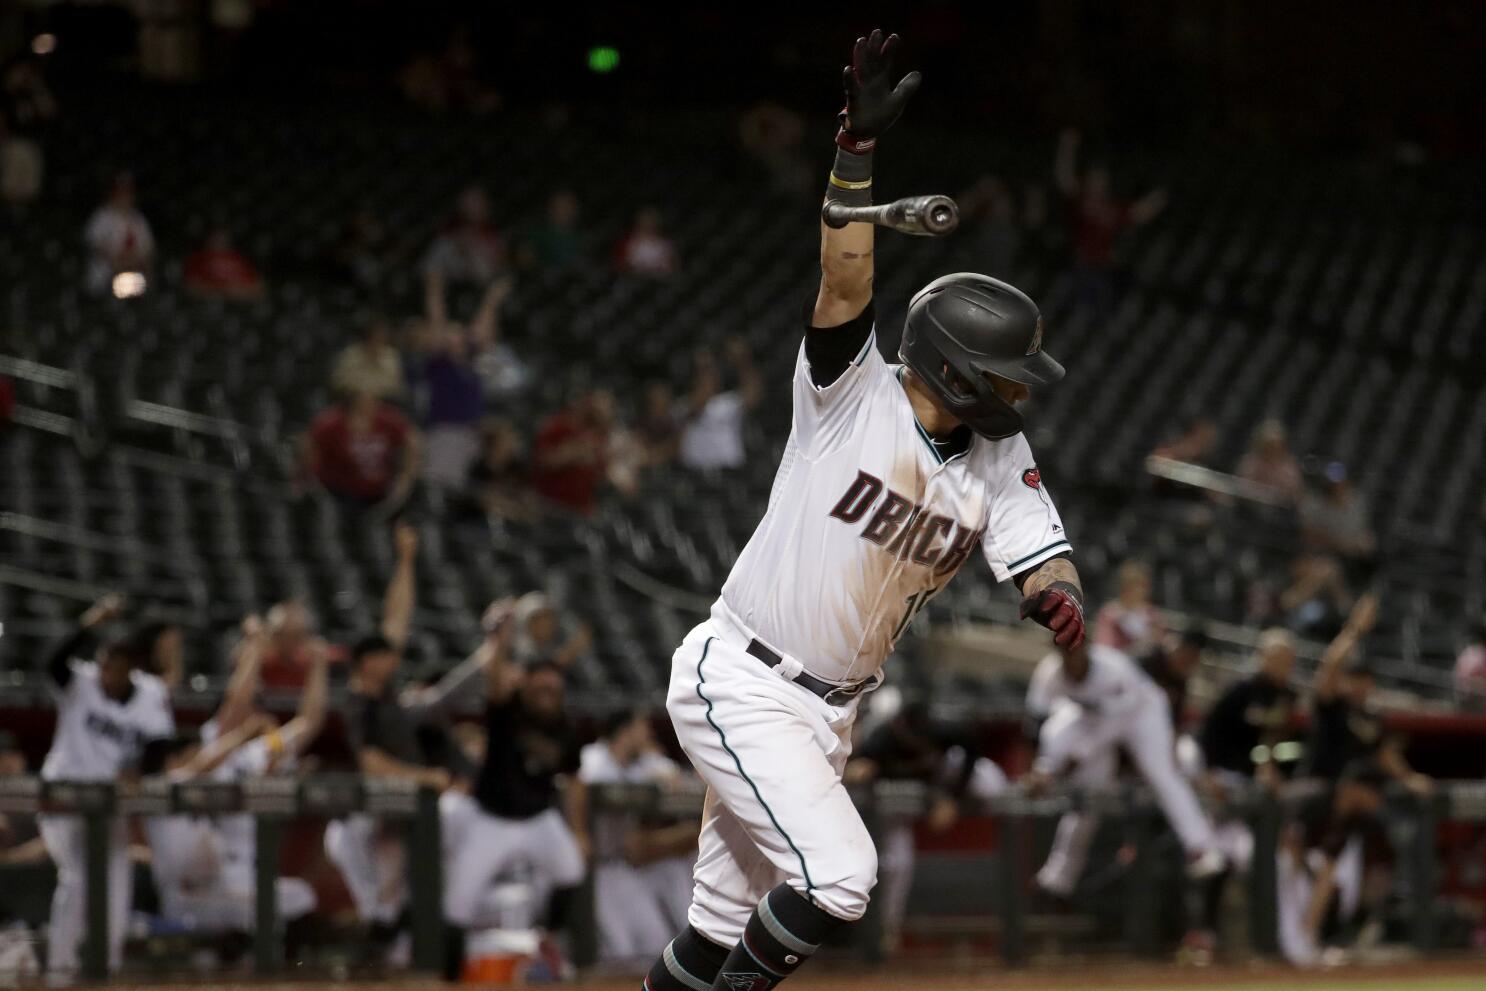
[1131, 623]
[371, 366]
[1194, 445]
[645, 250]
[469, 249]
[908, 745]
[502, 372]
[451, 393]
[1470, 670]
[539, 638]
[363, 452]
[1316, 599]
[387, 730]
[281, 660]
[26, 105]
[450, 79]
[1336, 520]
[119, 238]
[712, 437]
[642, 867]
[556, 242]
[1252, 716]
[1097, 219]
[359, 257]
[991, 213]
[1269, 462]
[218, 269]
[570, 456]
[161, 645]
[659, 429]
[773, 135]
[499, 479]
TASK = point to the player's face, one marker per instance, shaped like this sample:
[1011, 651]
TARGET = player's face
[541, 694]
[1184, 660]
[377, 669]
[1010, 392]
[113, 674]
[1358, 688]
[1278, 663]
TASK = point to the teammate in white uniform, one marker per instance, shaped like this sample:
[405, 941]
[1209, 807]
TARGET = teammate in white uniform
[204, 868]
[109, 713]
[642, 872]
[1096, 700]
[891, 477]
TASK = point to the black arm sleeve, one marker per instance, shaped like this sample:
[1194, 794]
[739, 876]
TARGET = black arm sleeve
[152, 757]
[830, 349]
[59, 658]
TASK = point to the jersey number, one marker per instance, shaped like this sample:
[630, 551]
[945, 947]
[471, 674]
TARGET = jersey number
[915, 603]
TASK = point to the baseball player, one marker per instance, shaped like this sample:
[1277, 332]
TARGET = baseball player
[642, 871]
[892, 475]
[530, 769]
[1097, 700]
[204, 869]
[112, 719]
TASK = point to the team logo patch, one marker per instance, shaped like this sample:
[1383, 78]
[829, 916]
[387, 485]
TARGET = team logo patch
[1036, 344]
[1032, 478]
[745, 982]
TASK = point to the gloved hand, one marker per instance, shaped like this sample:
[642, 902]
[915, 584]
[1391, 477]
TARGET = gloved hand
[872, 101]
[1060, 608]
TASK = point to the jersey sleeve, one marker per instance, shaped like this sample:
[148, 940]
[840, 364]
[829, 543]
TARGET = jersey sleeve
[1024, 528]
[830, 383]
[160, 724]
[595, 767]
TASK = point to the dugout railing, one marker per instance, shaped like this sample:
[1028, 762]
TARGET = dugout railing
[276, 801]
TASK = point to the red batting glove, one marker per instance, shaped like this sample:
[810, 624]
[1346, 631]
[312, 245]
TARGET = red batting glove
[1059, 608]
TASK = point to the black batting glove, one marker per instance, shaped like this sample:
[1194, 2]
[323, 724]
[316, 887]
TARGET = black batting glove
[1060, 608]
[872, 101]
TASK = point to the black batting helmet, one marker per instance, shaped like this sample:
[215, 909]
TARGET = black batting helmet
[961, 327]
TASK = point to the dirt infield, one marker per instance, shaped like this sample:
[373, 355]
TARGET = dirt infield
[1449, 975]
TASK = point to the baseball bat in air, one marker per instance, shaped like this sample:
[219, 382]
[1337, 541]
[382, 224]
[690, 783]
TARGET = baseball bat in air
[925, 216]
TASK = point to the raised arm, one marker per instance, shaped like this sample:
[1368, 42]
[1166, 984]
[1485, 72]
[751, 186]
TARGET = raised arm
[247, 662]
[427, 703]
[501, 676]
[300, 732]
[59, 659]
[873, 103]
[485, 324]
[1334, 660]
[397, 605]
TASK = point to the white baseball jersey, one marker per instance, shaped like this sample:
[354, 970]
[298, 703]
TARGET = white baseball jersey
[97, 738]
[597, 766]
[1115, 684]
[867, 521]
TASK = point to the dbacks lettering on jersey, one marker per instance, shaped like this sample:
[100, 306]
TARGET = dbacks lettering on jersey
[903, 529]
[128, 736]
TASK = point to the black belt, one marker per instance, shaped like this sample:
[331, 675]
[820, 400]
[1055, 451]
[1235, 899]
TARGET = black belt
[833, 694]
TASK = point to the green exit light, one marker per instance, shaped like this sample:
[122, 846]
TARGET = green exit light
[603, 59]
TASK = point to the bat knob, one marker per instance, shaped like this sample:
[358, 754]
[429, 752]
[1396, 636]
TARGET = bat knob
[835, 215]
[940, 215]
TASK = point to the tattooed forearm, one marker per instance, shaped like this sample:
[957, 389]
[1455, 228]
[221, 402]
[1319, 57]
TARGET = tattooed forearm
[1059, 569]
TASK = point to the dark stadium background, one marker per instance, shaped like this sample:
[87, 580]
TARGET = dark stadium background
[1294, 123]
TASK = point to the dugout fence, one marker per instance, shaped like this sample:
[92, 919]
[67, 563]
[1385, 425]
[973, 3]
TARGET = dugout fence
[1008, 911]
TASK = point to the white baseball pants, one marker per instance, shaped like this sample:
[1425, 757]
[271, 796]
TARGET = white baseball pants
[1092, 740]
[772, 754]
[65, 839]
[482, 846]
